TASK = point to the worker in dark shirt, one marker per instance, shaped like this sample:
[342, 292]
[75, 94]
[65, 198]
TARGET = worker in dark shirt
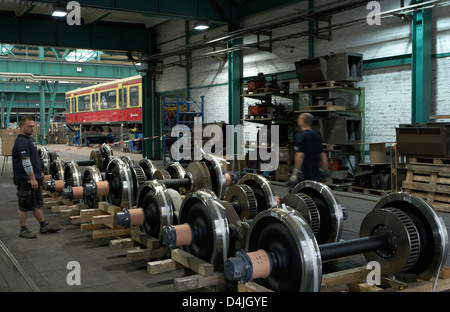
[28, 177]
[308, 153]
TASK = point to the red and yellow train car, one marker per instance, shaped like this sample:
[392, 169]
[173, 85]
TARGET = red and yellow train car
[110, 102]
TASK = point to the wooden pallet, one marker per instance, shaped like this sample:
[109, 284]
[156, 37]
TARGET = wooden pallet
[355, 280]
[430, 182]
[367, 191]
[261, 91]
[198, 273]
[324, 85]
[141, 246]
[325, 107]
[429, 160]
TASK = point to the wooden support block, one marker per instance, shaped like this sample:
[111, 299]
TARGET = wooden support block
[103, 219]
[252, 287]
[345, 276]
[192, 262]
[88, 227]
[70, 211]
[145, 253]
[145, 239]
[163, 266]
[445, 273]
[198, 281]
[104, 233]
[121, 243]
[58, 208]
[65, 201]
[364, 287]
[85, 216]
[109, 208]
[50, 202]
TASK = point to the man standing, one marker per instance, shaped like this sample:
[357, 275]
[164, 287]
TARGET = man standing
[308, 153]
[28, 178]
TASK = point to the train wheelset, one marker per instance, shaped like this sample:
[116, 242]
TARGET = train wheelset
[402, 232]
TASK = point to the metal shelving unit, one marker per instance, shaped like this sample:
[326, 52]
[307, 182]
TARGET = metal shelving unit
[179, 112]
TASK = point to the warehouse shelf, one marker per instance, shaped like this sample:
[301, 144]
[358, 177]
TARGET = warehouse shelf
[359, 112]
[179, 112]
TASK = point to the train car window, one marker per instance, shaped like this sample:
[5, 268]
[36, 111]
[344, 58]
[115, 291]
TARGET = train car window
[125, 97]
[134, 96]
[108, 99]
[84, 103]
[68, 105]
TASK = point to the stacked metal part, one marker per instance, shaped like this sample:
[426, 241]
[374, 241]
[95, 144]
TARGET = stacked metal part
[214, 229]
[159, 198]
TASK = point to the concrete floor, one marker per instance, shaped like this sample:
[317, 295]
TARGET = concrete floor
[41, 264]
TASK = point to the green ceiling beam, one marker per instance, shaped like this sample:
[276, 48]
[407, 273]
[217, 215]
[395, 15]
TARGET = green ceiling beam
[33, 87]
[251, 7]
[49, 68]
[33, 30]
[174, 9]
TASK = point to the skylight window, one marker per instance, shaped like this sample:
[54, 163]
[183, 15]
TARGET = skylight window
[81, 56]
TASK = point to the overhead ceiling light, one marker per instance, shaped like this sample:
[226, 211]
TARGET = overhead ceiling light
[201, 25]
[59, 11]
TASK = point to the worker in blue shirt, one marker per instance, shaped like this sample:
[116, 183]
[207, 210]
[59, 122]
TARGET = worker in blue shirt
[308, 153]
[28, 177]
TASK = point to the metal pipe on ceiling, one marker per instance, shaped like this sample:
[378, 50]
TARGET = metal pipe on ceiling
[35, 78]
[285, 22]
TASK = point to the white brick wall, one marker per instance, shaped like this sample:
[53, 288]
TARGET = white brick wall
[388, 90]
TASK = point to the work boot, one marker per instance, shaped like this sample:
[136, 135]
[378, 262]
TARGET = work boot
[27, 234]
[50, 228]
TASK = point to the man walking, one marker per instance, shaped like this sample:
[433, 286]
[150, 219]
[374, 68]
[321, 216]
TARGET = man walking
[28, 178]
[308, 153]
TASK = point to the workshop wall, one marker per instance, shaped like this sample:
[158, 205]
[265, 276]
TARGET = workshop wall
[388, 90]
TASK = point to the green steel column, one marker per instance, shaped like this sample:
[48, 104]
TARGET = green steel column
[187, 71]
[41, 53]
[8, 113]
[2, 107]
[421, 65]
[151, 120]
[311, 28]
[42, 114]
[234, 88]
[50, 110]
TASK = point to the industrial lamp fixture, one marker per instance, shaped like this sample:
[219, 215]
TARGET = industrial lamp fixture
[201, 25]
[59, 11]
